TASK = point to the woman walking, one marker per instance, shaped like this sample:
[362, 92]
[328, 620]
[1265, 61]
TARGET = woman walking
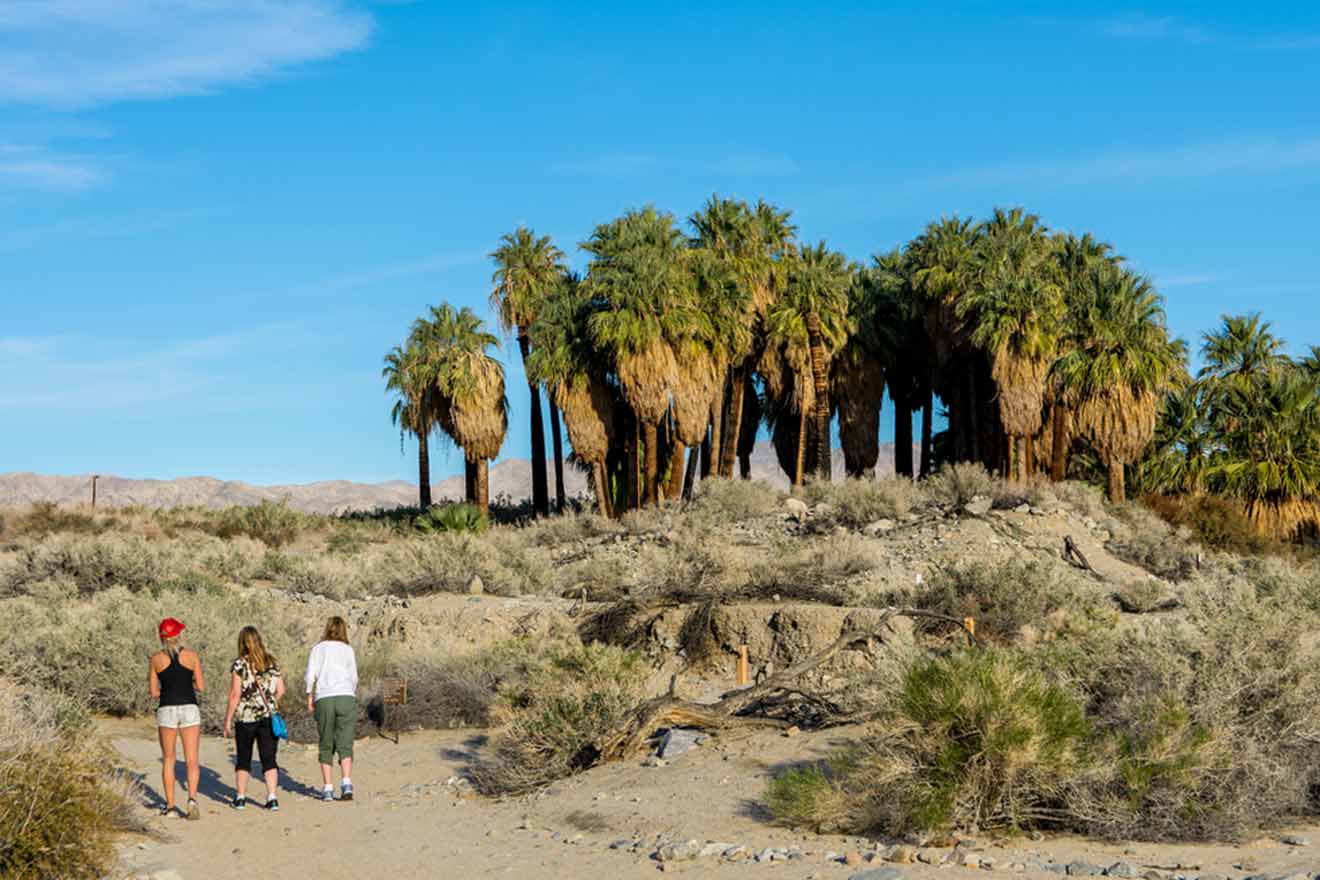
[332, 697]
[254, 694]
[174, 678]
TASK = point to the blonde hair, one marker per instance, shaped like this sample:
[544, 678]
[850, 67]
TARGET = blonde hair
[252, 650]
[336, 630]
[173, 646]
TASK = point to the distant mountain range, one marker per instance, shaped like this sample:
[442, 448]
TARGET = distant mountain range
[511, 478]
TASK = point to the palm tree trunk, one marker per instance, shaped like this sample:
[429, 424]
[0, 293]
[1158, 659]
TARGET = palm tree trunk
[1059, 444]
[820, 379]
[423, 471]
[602, 489]
[1117, 489]
[704, 451]
[690, 477]
[677, 458]
[732, 424]
[711, 460]
[540, 490]
[651, 439]
[1028, 458]
[483, 485]
[974, 423]
[633, 464]
[903, 439]
[557, 445]
[800, 467]
[469, 481]
[927, 433]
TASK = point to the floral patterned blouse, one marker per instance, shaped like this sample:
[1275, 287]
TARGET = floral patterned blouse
[256, 700]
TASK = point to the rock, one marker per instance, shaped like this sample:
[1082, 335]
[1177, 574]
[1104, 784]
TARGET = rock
[929, 856]
[677, 741]
[796, 508]
[623, 843]
[714, 849]
[1022, 508]
[678, 852]
[903, 855]
[1216, 877]
[823, 509]
[475, 587]
[978, 506]
[766, 855]
[1083, 869]
[852, 858]
[877, 874]
[655, 761]
[167, 874]
[793, 730]
[880, 527]
[1125, 870]
[735, 853]
[1294, 840]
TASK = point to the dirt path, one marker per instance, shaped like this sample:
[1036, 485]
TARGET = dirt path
[406, 821]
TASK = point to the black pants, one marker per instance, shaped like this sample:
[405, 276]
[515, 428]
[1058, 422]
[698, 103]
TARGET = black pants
[248, 732]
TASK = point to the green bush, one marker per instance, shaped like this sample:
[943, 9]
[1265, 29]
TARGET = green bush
[452, 518]
[273, 524]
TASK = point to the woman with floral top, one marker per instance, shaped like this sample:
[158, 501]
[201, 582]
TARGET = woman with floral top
[254, 695]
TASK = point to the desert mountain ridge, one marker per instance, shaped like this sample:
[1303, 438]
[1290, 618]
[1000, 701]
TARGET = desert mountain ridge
[510, 478]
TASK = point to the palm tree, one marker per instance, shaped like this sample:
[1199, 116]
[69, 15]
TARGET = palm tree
[563, 359]
[465, 388]
[403, 375]
[813, 308]
[528, 267]
[858, 381]
[640, 277]
[1116, 378]
[1014, 311]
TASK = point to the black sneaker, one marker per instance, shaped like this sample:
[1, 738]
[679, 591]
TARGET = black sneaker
[239, 802]
[273, 804]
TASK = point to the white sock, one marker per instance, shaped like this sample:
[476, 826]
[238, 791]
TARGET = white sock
[345, 781]
[271, 796]
[327, 787]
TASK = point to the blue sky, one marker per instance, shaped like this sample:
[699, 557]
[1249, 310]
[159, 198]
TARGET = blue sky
[216, 217]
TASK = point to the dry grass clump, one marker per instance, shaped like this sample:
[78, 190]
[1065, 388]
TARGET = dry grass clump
[1083, 499]
[733, 501]
[956, 484]
[447, 562]
[273, 524]
[858, 503]
[1008, 599]
[549, 722]
[44, 518]
[61, 803]
[1147, 541]
[832, 569]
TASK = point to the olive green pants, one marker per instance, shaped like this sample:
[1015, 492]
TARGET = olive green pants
[336, 725]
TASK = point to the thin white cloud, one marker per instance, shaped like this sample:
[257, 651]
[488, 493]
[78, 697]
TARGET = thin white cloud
[40, 168]
[75, 53]
[1170, 28]
[1236, 157]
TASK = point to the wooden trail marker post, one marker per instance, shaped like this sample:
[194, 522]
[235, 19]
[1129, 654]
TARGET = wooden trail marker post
[393, 692]
[969, 624]
[743, 677]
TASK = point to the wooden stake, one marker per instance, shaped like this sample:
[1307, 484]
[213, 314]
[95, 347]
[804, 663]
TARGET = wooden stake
[969, 624]
[742, 678]
[94, 476]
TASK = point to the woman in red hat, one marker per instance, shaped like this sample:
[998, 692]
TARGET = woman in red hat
[174, 676]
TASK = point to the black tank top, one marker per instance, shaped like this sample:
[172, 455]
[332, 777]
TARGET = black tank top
[176, 684]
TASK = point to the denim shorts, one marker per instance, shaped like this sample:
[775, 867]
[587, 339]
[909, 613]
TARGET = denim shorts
[178, 717]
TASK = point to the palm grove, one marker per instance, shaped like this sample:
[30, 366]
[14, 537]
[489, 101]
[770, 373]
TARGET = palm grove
[1047, 357]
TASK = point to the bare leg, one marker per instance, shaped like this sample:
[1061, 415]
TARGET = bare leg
[272, 783]
[240, 782]
[327, 774]
[346, 765]
[167, 738]
[192, 738]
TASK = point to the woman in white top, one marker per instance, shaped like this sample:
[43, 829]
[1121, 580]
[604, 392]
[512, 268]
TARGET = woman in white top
[332, 697]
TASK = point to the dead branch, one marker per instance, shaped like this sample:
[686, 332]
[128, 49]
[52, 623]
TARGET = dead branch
[1130, 607]
[734, 707]
[1073, 555]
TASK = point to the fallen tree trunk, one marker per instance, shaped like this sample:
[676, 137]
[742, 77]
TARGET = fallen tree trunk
[738, 707]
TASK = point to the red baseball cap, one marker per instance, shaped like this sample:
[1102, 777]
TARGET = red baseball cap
[169, 628]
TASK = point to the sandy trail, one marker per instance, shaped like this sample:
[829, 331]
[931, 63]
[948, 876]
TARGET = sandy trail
[407, 822]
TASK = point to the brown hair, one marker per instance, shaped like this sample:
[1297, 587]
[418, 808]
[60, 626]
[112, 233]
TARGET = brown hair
[251, 649]
[336, 630]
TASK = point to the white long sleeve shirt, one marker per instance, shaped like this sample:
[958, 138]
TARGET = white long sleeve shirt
[332, 670]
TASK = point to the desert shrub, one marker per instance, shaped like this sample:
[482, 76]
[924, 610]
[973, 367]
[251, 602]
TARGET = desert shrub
[61, 807]
[1083, 499]
[858, 503]
[830, 569]
[44, 518]
[272, 523]
[977, 739]
[570, 527]
[1147, 541]
[551, 720]
[1218, 523]
[447, 561]
[446, 690]
[189, 584]
[451, 518]
[1005, 598]
[956, 484]
[728, 501]
[93, 563]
